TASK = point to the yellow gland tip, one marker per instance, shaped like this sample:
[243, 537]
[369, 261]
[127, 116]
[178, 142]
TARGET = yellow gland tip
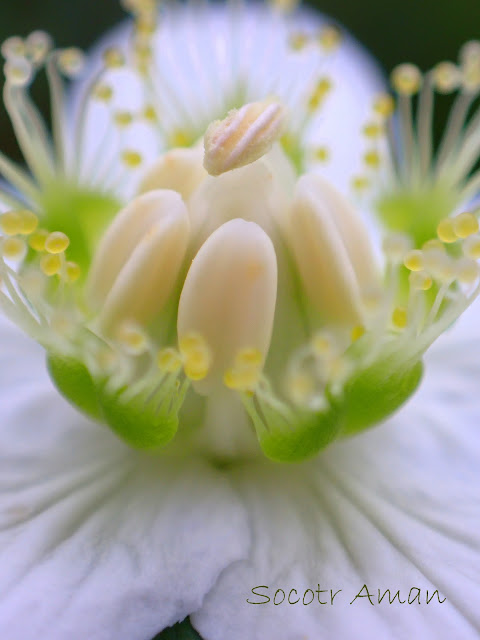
[420, 280]
[414, 260]
[37, 240]
[465, 225]
[169, 360]
[322, 343]
[406, 79]
[13, 248]
[321, 154]
[467, 271]
[11, 223]
[301, 388]
[446, 77]
[73, 271]
[196, 356]
[56, 242]
[471, 247]
[28, 222]
[357, 332]
[132, 338]
[123, 119]
[249, 357]
[298, 41]
[51, 264]
[446, 231]
[71, 61]
[242, 378]
[400, 317]
[372, 130]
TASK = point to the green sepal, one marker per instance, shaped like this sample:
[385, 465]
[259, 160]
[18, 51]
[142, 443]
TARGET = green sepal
[286, 435]
[75, 383]
[180, 631]
[143, 421]
[375, 393]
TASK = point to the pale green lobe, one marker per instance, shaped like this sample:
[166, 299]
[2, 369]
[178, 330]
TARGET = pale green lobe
[81, 214]
[416, 211]
[147, 421]
[369, 397]
[296, 436]
[373, 394]
[75, 383]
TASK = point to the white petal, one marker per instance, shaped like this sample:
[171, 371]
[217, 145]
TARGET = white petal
[97, 542]
[394, 508]
[229, 295]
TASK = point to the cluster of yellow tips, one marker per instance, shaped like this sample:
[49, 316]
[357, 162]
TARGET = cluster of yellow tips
[21, 232]
[246, 371]
[193, 355]
[328, 38]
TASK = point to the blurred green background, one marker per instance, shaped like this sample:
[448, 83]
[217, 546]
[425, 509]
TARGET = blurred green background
[423, 31]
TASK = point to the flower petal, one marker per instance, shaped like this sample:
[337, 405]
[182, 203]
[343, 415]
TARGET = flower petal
[396, 509]
[97, 542]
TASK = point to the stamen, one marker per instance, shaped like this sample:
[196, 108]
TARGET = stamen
[71, 61]
[400, 317]
[132, 338]
[446, 231]
[56, 242]
[51, 264]
[196, 356]
[465, 225]
[13, 248]
[169, 360]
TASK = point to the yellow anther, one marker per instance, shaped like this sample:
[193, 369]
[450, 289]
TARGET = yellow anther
[132, 338]
[132, 159]
[384, 105]
[446, 231]
[330, 37]
[249, 357]
[150, 114]
[169, 360]
[37, 45]
[123, 118]
[113, 58]
[11, 223]
[37, 240]
[396, 246]
[73, 271]
[414, 260]
[420, 281]
[322, 343]
[28, 222]
[372, 159]
[13, 248]
[357, 332]
[406, 79]
[103, 92]
[298, 41]
[471, 247]
[321, 154]
[360, 183]
[51, 264]
[446, 77]
[301, 387]
[13, 47]
[400, 317]
[196, 356]
[242, 378]
[372, 130]
[18, 72]
[71, 61]
[433, 243]
[56, 242]
[467, 270]
[465, 224]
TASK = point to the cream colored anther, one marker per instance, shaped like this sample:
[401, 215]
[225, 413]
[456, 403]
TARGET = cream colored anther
[244, 136]
[139, 258]
[332, 250]
[229, 297]
[179, 169]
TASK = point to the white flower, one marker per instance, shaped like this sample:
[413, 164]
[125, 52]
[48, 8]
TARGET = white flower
[204, 285]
